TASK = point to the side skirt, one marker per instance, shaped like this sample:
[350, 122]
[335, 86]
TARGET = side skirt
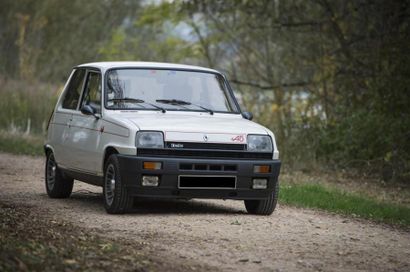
[84, 177]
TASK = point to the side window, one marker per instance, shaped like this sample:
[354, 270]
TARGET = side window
[72, 95]
[92, 93]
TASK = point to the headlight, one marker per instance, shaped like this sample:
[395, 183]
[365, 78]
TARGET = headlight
[259, 143]
[149, 139]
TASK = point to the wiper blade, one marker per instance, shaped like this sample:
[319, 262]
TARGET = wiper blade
[158, 108]
[182, 103]
[173, 101]
[136, 100]
[211, 112]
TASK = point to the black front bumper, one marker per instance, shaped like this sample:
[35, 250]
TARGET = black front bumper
[131, 168]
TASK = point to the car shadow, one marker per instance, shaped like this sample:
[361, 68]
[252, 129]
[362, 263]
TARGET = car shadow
[157, 206]
[181, 206]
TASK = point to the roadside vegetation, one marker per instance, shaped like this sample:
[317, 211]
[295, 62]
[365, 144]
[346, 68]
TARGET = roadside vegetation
[18, 143]
[332, 199]
[26, 105]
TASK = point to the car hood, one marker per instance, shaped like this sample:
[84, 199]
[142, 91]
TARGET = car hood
[217, 128]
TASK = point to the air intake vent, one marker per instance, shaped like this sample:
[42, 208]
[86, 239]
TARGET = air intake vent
[208, 167]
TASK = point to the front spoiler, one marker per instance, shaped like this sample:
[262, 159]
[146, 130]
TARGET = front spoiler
[131, 172]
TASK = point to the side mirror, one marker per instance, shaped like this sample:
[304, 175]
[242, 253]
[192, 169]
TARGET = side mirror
[247, 115]
[87, 110]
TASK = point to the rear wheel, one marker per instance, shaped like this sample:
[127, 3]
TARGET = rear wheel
[116, 198]
[265, 206]
[57, 184]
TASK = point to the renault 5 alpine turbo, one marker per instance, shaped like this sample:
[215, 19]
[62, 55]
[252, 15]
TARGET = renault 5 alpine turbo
[159, 130]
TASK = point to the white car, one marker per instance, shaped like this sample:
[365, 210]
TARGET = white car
[159, 130]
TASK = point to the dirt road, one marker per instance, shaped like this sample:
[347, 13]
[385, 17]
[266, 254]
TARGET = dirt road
[218, 234]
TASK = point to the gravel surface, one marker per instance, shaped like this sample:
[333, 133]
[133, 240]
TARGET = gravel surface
[218, 234]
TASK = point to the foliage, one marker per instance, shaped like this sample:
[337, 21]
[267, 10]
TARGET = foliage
[330, 78]
[330, 199]
[157, 28]
[21, 144]
[45, 39]
[26, 108]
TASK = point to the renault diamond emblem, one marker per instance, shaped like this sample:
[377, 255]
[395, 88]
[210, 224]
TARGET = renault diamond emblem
[206, 138]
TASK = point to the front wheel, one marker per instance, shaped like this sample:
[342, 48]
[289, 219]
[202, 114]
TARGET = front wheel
[116, 198]
[57, 184]
[265, 206]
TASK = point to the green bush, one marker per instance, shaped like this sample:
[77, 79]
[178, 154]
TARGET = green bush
[21, 144]
[26, 107]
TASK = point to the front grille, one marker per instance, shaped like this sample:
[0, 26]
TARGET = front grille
[208, 167]
[188, 145]
[206, 182]
[196, 153]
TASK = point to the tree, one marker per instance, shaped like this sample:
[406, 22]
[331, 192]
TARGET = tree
[45, 39]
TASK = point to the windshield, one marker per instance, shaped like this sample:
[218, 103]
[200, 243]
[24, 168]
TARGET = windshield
[160, 89]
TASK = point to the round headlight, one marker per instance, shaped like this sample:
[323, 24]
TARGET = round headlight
[149, 139]
[259, 143]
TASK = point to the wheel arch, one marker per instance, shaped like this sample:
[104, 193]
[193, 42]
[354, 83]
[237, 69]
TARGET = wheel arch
[47, 149]
[109, 150]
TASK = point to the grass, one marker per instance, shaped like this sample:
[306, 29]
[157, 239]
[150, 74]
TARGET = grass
[334, 200]
[26, 106]
[19, 144]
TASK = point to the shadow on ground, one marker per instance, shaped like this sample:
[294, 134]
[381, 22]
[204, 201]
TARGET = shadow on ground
[94, 201]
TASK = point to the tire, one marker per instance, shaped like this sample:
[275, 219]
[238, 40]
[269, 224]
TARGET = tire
[116, 197]
[57, 184]
[265, 206]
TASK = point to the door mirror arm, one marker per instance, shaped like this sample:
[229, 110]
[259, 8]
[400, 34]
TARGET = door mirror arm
[89, 110]
[247, 115]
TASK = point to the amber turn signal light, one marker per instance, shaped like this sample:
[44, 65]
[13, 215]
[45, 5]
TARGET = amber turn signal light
[152, 165]
[261, 169]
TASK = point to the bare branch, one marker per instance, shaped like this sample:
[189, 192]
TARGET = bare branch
[266, 87]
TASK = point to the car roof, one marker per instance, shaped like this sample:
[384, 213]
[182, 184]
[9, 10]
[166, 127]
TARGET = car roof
[142, 64]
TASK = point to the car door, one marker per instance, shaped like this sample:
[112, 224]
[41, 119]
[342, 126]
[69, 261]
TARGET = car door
[86, 130]
[62, 117]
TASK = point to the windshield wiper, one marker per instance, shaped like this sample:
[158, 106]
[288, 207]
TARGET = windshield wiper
[173, 101]
[136, 100]
[182, 103]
